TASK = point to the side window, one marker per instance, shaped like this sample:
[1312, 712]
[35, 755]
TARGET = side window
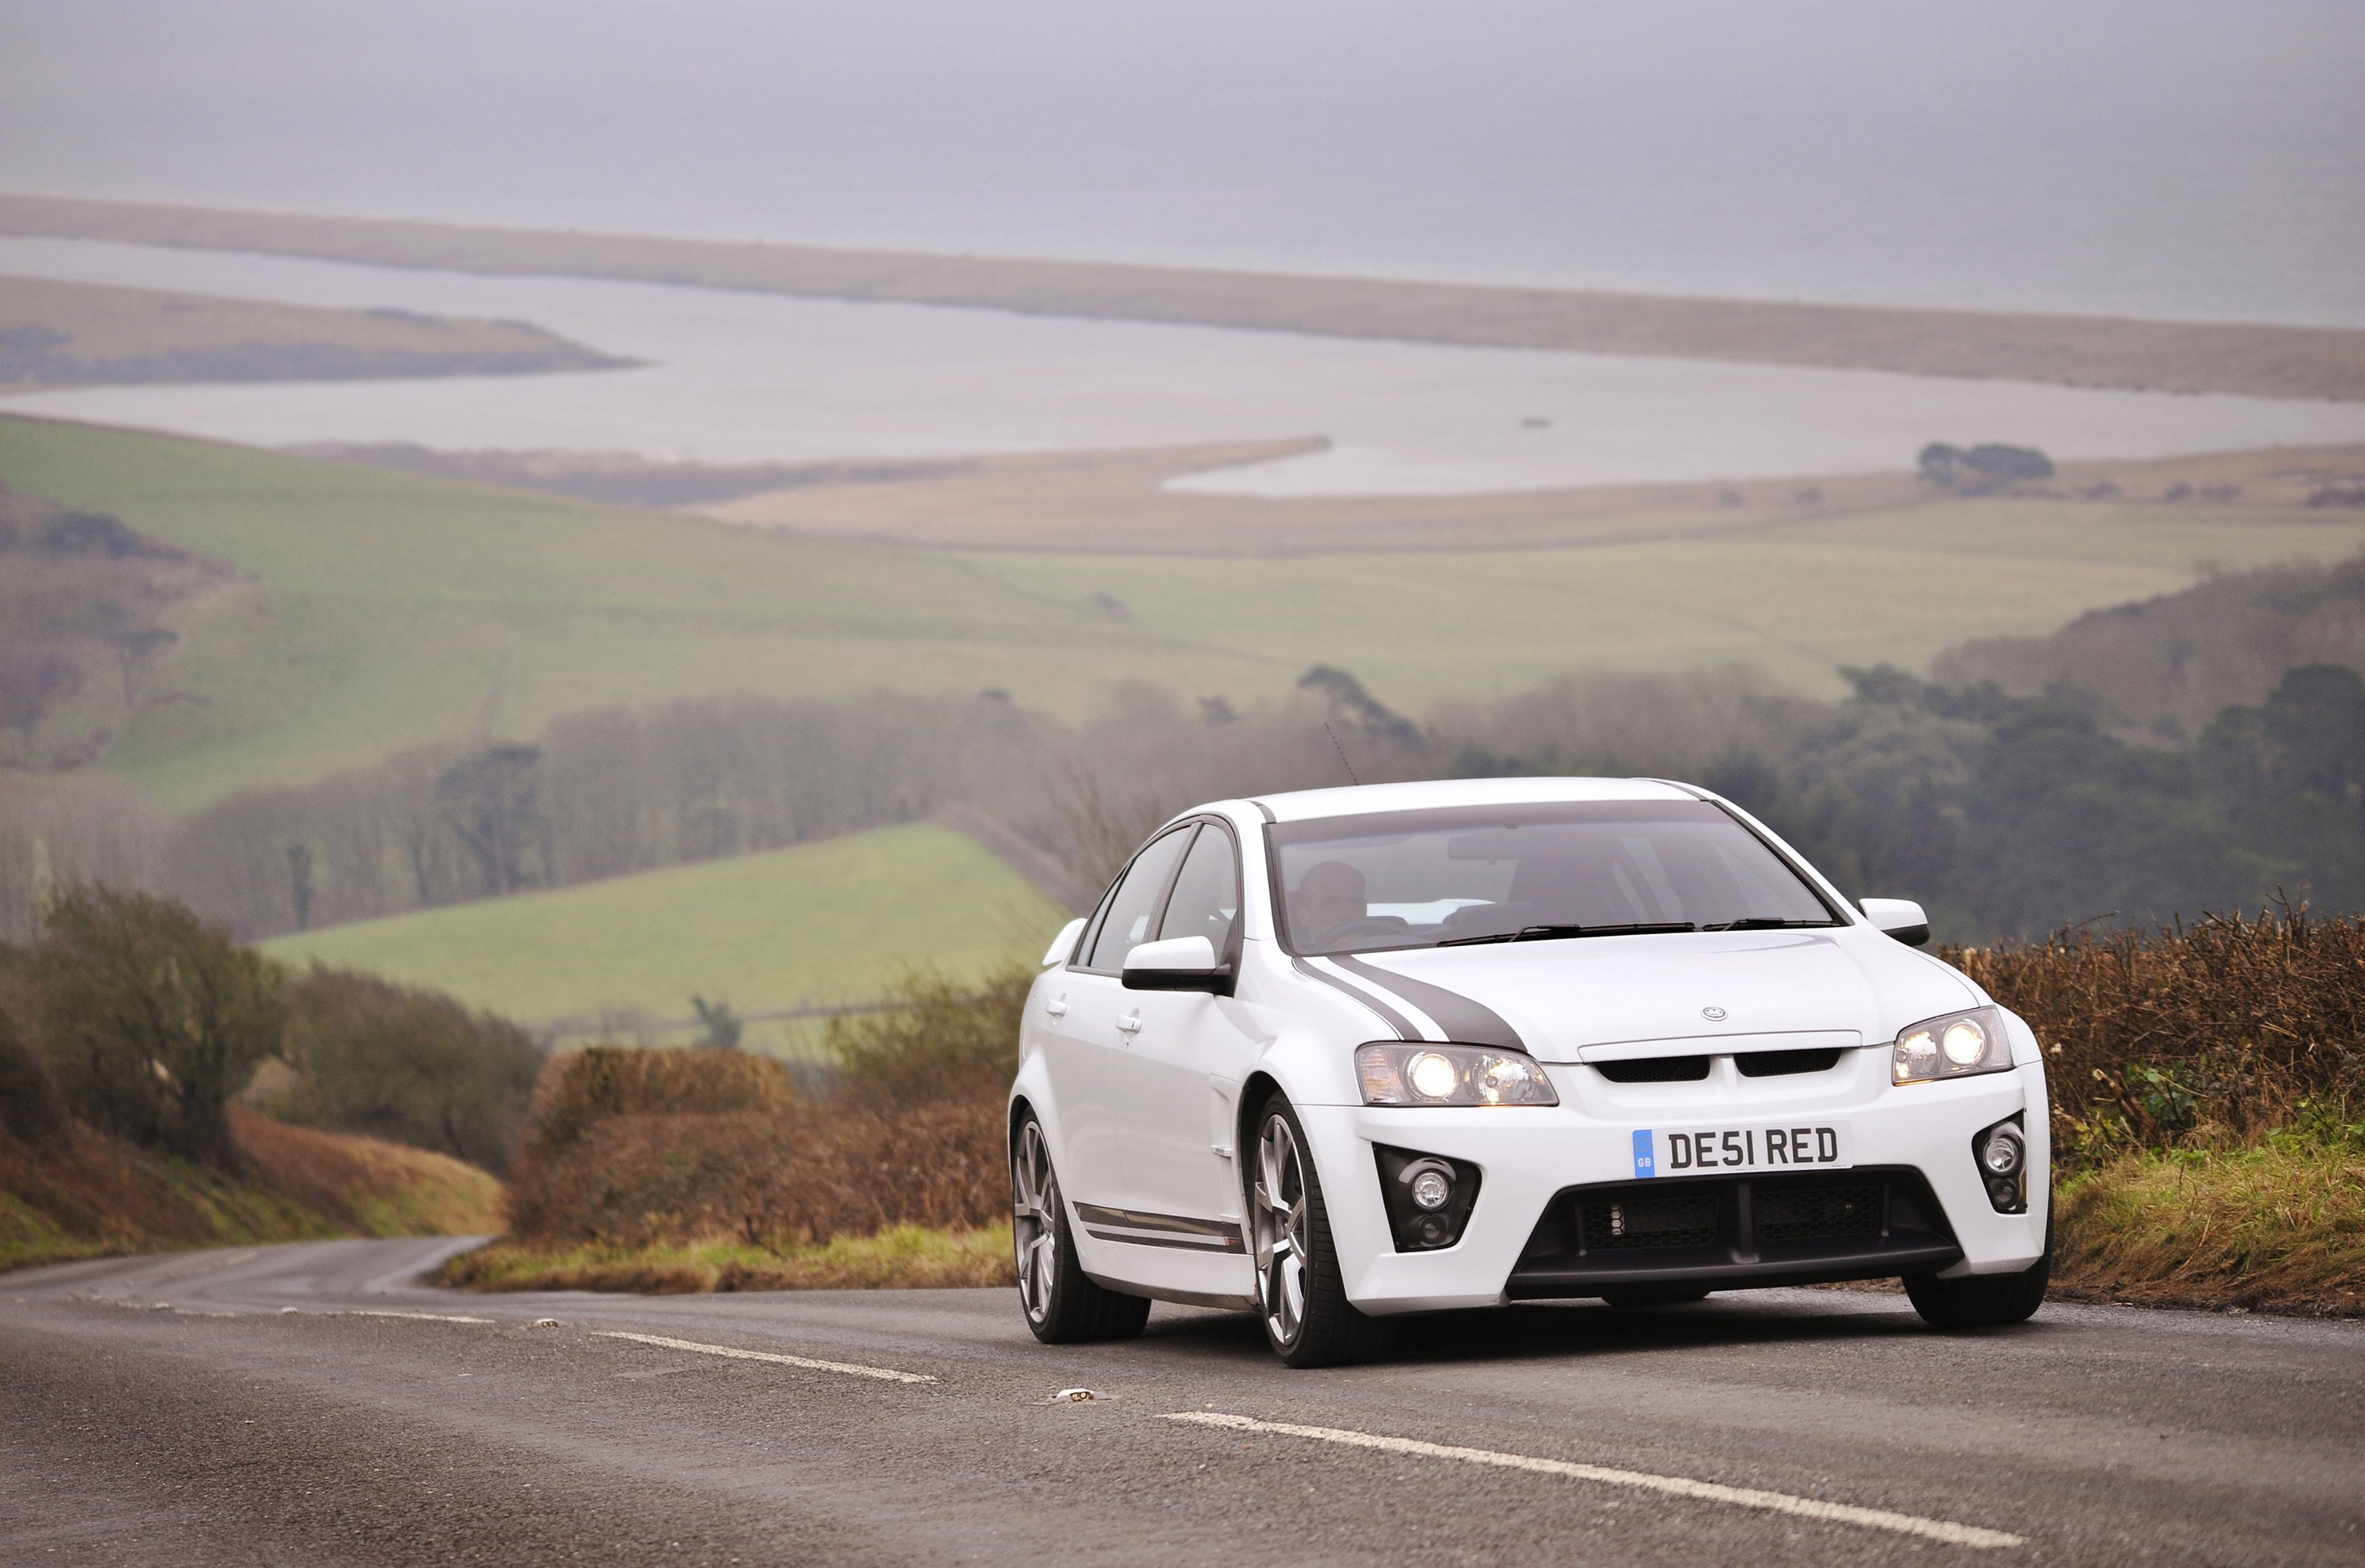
[1135, 903]
[1206, 901]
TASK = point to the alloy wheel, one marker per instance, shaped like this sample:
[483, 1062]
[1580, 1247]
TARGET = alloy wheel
[1035, 1221]
[1280, 1213]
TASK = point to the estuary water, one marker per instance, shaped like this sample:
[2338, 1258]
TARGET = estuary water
[745, 378]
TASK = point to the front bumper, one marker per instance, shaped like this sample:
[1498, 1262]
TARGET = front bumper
[1525, 1237]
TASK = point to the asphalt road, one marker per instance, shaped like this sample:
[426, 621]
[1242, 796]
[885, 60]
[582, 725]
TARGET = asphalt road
[295, 1405]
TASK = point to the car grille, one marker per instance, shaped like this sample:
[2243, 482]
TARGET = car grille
[1829, 1211]
[1687, 1219]
[1778, 1064]
[1657, 1070]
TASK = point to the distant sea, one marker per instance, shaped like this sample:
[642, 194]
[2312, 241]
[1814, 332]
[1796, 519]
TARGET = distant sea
[2168, 158]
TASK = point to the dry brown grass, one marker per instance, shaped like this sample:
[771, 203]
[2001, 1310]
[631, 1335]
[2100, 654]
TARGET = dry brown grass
[367, 1184]
[79, 1194]
[2277, 1228]
[904, 1258]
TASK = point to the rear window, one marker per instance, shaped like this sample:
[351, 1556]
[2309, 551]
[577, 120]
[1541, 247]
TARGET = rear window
[1525, 873]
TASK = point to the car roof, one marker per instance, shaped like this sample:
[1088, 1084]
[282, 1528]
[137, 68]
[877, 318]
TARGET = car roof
[1303, 805]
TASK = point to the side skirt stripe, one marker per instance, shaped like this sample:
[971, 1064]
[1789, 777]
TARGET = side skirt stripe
[1212, 1244]
[1159, 1230]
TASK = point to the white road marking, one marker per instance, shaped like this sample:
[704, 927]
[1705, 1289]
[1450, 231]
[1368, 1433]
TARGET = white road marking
[418, 1316]
[887, 1374]
[1672, 1485]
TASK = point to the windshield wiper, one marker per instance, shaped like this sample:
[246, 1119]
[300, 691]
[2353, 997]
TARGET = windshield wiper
[1556, 932]
[1636, 928]
[1762, 922]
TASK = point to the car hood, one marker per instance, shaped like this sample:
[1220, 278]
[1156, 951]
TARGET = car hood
[1597, 998]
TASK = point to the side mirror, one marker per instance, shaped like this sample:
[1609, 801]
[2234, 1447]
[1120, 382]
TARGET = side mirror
[1901, 918]
[1179, 963]
[1064, 943]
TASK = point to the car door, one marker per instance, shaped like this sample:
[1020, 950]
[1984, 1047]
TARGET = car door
[1080, 1026]
[1178, 1074]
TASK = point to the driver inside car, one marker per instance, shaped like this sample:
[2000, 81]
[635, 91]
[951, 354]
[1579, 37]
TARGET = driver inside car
[1331, 896]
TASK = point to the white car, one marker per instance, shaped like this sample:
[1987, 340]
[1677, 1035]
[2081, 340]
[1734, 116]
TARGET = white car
[1344, 1054]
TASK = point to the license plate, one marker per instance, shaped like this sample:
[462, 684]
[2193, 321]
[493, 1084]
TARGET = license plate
[1708, 1151]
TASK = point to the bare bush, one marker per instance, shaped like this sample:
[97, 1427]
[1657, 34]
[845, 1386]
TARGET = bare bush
[410, 1066]
[577, 1089]
[2223, 1030]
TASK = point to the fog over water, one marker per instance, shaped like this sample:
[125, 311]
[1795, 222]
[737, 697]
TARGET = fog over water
[745, 377]
[2181, 158]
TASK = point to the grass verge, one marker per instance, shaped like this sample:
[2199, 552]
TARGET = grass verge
[2277, 1228]
[905, 1257]
[82, 1194]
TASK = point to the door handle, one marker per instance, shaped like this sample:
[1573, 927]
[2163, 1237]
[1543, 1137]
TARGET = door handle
[1058, 1009]
[1131, 1022]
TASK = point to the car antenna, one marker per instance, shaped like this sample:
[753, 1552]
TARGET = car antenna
[1342, 755]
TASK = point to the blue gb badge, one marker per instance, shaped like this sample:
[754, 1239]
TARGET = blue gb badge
[1644, 1163]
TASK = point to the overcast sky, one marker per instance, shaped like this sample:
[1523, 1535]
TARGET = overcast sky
[2151, 155]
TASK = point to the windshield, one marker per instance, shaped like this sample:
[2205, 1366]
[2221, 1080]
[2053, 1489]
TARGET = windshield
[1531, 873]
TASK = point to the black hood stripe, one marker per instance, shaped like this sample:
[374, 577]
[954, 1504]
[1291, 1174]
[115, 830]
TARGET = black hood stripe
[1393, 1019]
[1467, 1022]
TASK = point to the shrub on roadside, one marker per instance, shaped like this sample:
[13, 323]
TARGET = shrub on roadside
[410, 1066]
[2212, 1034]
[774, 1180]
[943, 1040]
[151, 1019]
[579, 1089]
[637, 1149]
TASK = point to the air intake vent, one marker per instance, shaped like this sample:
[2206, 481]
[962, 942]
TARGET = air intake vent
[1778, 1064]
[1657, 1070]
[1679, 1219]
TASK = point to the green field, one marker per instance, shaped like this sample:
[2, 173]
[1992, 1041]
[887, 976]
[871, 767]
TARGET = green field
[1797, 599]
[386, 610]
[383, 609]
[829, 922]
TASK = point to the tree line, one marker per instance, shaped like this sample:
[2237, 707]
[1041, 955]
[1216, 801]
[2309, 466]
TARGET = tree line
[1999, 793]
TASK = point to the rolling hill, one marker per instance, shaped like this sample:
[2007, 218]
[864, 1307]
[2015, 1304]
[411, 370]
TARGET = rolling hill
[375, 610]
[829, 922]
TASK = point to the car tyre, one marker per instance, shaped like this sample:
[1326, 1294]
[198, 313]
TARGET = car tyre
[1985, 1301]
[1301, 1294]
[1062, 1304]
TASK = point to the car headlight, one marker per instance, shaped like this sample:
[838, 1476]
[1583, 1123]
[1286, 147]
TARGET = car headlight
[1410, 1073]
[1954, 1046]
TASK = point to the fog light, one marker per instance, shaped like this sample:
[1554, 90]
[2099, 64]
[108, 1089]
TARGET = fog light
[1430, 1197]
[2003, 1192]
[2005, 1152]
